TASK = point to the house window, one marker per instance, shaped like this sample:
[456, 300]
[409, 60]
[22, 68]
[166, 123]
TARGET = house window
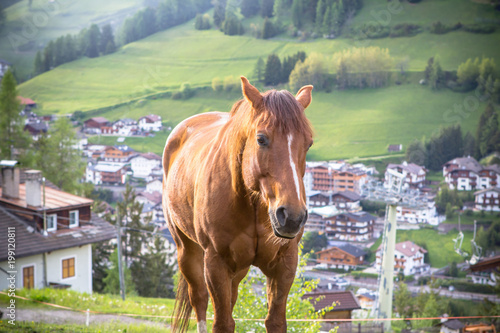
[73, 219]
[68, 268]
[29, 277]
[52, 222]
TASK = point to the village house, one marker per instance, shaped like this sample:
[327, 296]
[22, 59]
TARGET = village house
[345, 256]
[36, 130]
[413, 175]
[150, 123]
[344, 304]
[125, 127]
[408, 258]
[466, 174]
[53, 240]
[26, 103]
[95, 152]
[154, 186]
[350, 226]
[120, 153]
[366, 298]
[451, 326]
[106, 173]
[315, 223]
[343, 200]
[488, 199]
[334, 177]
[151, 203]
[143, 164]
[395, 148]
[95, 125]
[425, 213]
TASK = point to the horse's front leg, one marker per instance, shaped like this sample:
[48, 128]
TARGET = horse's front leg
[219, 281]
[279, 281]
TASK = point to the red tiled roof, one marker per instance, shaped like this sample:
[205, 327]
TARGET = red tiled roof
[343, 300]
[25, 100]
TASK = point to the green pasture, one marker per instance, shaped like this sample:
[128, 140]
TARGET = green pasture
[27, 31]
[440, 247]
[165, 60]
[426, 12]
[347, 124]
[480, 217]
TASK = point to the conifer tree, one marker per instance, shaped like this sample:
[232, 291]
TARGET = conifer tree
[259, 70]
[107, 43]
[320, 13]
[10, 120]
[249, 8]
[297, 13]
[272, 75]
[39, 68]
[219, 12]
[266, 8]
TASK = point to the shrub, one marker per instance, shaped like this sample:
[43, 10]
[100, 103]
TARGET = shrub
[232, 26]
[372, 31]
[439, 28]
[479, 28]
[202, 22]
[217, 84]
[268, 29]
[186, 91]
[405, 30]
[230, 83]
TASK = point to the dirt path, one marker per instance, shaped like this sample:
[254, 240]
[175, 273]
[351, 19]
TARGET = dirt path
[71, 317]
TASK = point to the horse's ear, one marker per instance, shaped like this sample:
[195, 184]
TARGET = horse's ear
[304, 96]
[252, 95]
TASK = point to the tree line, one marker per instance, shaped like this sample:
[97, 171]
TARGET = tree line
[94, 41]
[90, 42]
[449, 142]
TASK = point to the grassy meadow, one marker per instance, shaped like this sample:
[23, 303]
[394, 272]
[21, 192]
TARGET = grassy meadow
[348, 124]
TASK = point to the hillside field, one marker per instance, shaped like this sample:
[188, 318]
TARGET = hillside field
[348, 124]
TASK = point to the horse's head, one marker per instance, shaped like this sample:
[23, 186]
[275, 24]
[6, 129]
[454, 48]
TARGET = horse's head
[274, 155]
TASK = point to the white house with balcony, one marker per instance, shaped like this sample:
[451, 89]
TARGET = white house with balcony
[150, 123]
[412, 174]
[142, 165]
[408, 258]
[488, 199]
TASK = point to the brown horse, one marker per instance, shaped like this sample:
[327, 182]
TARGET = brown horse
[233, 197]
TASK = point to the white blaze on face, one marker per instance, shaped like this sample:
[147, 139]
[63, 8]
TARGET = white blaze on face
[202, 326]
[292, 165]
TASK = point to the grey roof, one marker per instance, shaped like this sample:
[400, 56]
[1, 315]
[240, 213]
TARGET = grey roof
[494, 189]
[352, 250]
[454, 324]
[360, 216]
[409, 167]
[493, 167]
[30, 242]
[466, 163]
[348, 194]
[37, 127]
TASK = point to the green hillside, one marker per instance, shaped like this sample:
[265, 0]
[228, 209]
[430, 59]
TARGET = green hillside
[348, 123]
[28, 30]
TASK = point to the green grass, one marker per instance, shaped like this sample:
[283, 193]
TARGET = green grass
[425, 13]
[440, 247]
[347, 124]
[31, 327]
[97, 302]
[53, 21]
[466, 219]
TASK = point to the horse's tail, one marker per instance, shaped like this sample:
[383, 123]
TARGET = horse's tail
[182, 307]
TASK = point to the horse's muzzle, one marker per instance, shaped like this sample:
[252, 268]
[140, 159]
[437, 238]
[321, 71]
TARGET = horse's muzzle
[286, 224]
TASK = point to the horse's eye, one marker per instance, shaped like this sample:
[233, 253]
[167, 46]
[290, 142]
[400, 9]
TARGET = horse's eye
[310, 145]
[262, 140]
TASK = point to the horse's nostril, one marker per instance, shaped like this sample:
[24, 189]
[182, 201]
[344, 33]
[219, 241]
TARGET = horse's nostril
[281, 215]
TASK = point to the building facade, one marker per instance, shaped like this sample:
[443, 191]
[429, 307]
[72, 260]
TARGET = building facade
[350, 226]
[408, 258]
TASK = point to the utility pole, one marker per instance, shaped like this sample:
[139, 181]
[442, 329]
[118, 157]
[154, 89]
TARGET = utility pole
[120, 268]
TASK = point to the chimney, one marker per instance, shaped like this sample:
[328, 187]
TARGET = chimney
[33, 188]
[10, 179]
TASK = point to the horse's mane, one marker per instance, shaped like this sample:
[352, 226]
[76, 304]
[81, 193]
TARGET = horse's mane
[278, 110]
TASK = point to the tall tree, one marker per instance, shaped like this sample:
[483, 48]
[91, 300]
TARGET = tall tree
[272, 75]
[266, 8]
[153, 272]
[112, 279]
[403, 301]
[56, 152]
[219, 12]
[70, 49]
[320, 13]
[268, 29]
[260, 68]
[297, 13]
[107, 44]
[12, 135]
[48, 56]
[93, 39]
[249, 8]
[436, 77]
[166, 15]
[469, 145]
[39, 68]
[487, 133]
[280, 9]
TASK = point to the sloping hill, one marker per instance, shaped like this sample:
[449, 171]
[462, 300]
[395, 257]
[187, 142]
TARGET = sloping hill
[348, 123]
[28, 30]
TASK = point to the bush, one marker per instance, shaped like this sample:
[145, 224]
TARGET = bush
[371, 31]
[479, 28]
[405, 30]
[468, 286]
[186, 91]
[232, 26]
[202, 22]
[230, 83]
[217, 84]
[268, 29]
